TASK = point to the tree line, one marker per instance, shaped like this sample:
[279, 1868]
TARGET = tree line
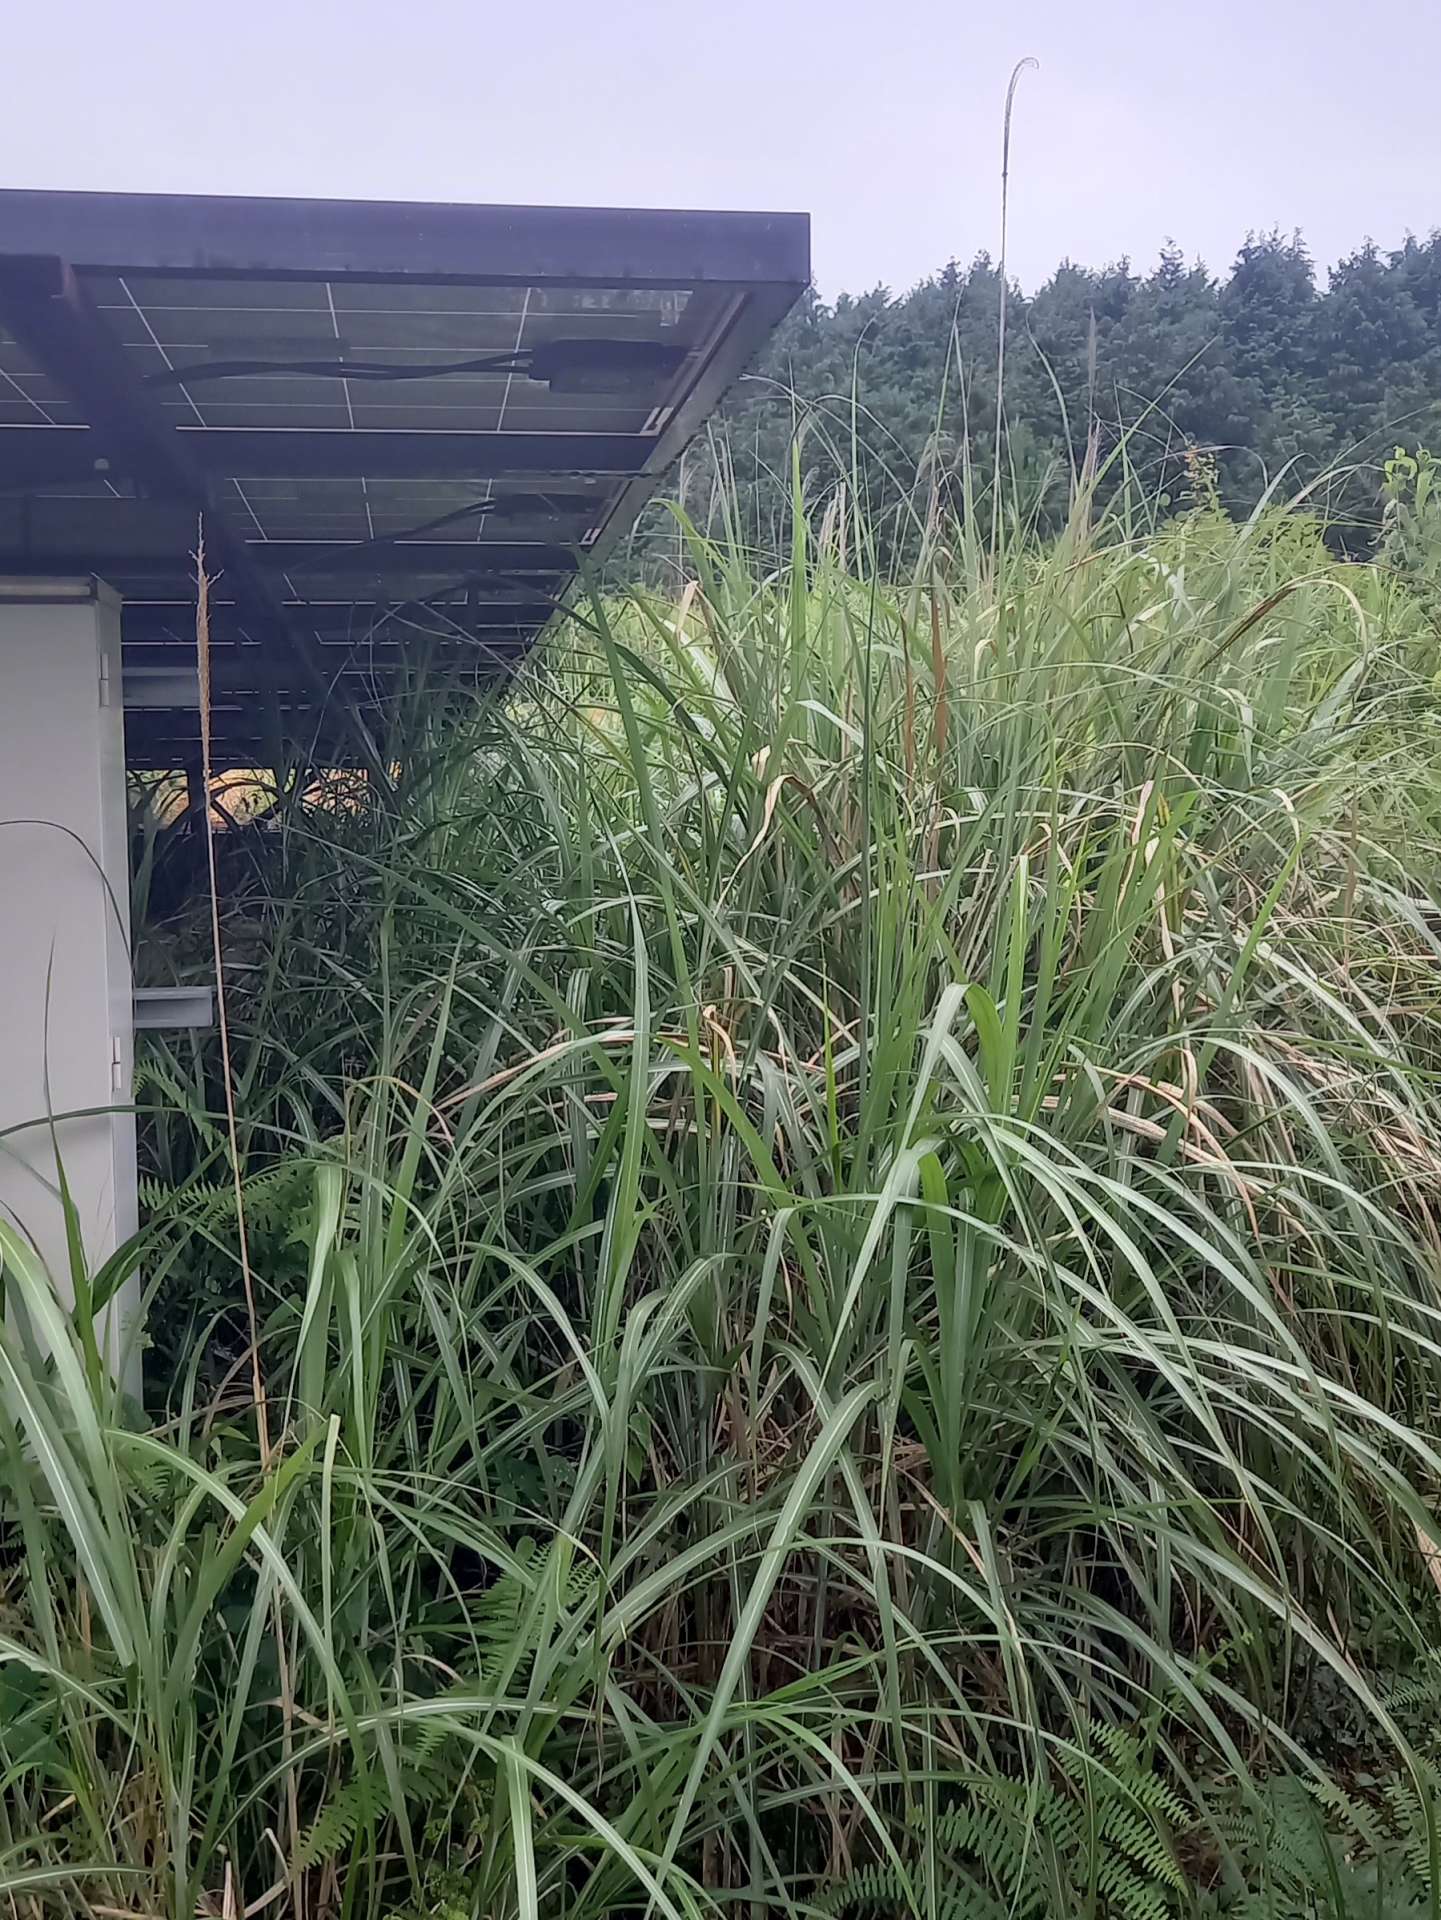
[1279, 380]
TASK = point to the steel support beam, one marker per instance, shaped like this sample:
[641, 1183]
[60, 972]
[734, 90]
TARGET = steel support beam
[253, 569]
[61, 255]
[37, 457]
[154, 624]
[380, 239]
[47, 309]
[249, 674]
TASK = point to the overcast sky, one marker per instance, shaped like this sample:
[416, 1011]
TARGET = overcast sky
[1146, 119]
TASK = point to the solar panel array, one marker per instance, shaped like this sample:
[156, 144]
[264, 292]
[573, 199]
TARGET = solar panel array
[394, 467]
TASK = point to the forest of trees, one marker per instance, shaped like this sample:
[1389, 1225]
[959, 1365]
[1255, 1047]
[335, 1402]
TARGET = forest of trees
[1275, 376]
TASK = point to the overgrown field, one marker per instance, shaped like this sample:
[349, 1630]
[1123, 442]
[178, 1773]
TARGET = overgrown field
[842, 1211]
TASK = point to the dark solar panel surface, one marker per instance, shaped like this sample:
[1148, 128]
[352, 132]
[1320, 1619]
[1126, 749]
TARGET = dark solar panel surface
[369, 522]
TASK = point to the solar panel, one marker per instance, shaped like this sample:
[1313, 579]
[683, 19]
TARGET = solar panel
[407, 426]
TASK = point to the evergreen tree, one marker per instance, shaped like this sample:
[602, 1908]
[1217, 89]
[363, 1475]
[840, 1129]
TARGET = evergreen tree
[894, 397]
[1268, 309]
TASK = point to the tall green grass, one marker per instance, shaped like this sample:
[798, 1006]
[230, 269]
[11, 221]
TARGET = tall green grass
[843, 1188]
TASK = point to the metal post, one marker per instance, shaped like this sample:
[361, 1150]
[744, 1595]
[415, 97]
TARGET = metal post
[197, 796]
[66, 1017]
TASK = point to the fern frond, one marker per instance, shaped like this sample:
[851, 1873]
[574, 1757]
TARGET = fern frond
[348, 1809]
[1127, 1894]
[873, 1890]
[969, 1900]
[1028, 1848]
[1340, 1806]
[1424, 1690]
[1134, 1833]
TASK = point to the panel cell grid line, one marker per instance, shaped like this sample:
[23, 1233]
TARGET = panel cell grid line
[28, 398]
[162, 351]
[510, 377]
[244, 501]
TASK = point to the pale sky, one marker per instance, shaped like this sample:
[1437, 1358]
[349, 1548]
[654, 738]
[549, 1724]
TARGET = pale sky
[879, 117]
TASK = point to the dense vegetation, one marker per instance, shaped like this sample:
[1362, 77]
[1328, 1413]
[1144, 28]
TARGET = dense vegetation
[1284, 382]
[840, 1301]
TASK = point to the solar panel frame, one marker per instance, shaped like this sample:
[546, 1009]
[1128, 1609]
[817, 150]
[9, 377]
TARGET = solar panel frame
[352, 495]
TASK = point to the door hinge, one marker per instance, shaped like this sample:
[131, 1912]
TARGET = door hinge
[105, 687]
